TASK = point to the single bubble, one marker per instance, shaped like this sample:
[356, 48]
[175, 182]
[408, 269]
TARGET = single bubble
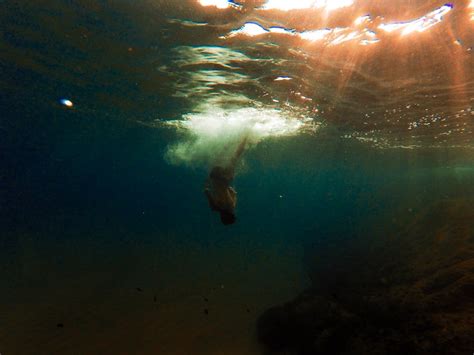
[66, 102]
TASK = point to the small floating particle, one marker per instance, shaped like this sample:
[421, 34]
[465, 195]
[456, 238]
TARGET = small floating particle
[130, 49]
[139, 289]
[154, 299]
[248, 310]
[206, 299]
[206, 311]
[60, 325]
[66, 102]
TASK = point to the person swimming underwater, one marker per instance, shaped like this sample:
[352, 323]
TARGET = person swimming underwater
[221, 195]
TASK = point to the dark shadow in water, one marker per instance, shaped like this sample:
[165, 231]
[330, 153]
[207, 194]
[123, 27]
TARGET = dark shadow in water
[409, 291]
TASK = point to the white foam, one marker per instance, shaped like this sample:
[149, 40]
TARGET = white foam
[213, 133]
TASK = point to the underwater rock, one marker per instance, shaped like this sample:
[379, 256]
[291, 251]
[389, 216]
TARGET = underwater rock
[307, 325]
[410, 292]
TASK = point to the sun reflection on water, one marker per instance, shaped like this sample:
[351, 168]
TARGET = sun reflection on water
[419, 25]
[286, 5]
[363, 29]
[364, 57]
[220, 4]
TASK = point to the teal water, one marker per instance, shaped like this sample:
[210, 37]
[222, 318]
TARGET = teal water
[354, 193]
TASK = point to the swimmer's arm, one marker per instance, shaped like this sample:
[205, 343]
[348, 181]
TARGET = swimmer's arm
[239, 151]
[233, 196]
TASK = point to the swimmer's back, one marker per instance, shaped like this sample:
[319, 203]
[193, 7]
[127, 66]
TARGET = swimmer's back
[221, 175]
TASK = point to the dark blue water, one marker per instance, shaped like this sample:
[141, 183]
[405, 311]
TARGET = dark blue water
[107, 246]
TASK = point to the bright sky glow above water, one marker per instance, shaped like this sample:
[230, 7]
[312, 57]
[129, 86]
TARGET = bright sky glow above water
[286, 5]
[220, 4]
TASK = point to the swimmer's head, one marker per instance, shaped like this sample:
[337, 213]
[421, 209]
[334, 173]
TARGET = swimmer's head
[227, 217]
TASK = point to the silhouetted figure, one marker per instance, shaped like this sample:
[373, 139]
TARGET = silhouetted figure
[221, 195]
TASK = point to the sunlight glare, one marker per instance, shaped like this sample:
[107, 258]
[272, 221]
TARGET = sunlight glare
[316, 35]
[419, 25]
[220, 4]
[249, 29]
[286, 5]
[362, 19]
